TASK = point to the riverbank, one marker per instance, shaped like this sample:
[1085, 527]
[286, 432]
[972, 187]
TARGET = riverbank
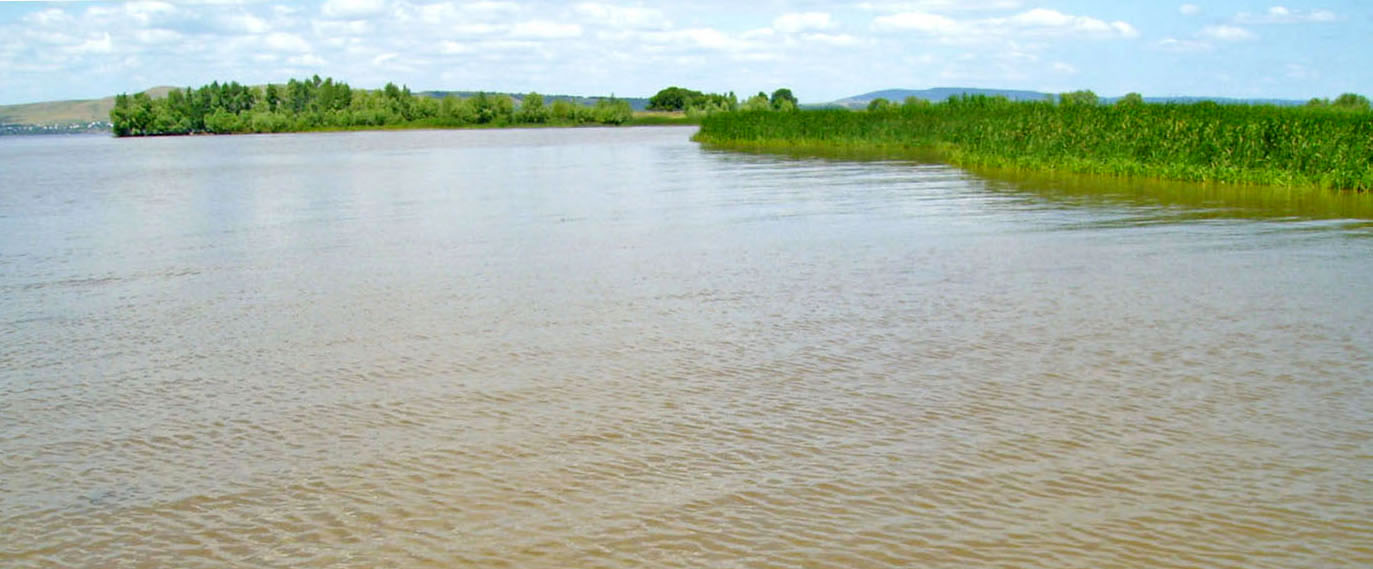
[640, 118]
[1260, 145]
[322, 105]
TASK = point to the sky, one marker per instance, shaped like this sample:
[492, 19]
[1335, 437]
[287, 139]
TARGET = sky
[822, 51]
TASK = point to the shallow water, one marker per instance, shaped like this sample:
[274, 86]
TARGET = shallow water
[613, 348]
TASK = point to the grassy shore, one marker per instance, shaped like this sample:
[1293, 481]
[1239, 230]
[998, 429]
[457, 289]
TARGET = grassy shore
[1233, 144]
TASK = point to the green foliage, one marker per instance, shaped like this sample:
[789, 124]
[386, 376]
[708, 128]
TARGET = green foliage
[783, 100]
[1351, 101]
[758, 102]
[1346, 102]
[879, 104]
[1083, 97]
[914, 101]
[613, 111]
[532, 109]
[1130, 99]
[780, 100]
[680, 99]
[315, 103]
[1287, 146]
[673, 99]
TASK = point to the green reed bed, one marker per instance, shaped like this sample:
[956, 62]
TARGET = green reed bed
[1205, 142]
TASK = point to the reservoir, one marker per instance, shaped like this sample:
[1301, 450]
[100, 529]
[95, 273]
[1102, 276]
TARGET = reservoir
[614, 348]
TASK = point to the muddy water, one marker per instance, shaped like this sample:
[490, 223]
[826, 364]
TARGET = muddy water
[614, 348]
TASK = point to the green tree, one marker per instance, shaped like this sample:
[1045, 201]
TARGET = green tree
[222, 122]
[613, 111]
[532, 109]
[273, 97]
[674, 99]
[1082, 97]
[879, 104]
[564, 111]
[119, 116]
[913, 101]
[1130, 100]
[758, 102]
[504, 108]
[1351, 101]
[141, 114]
[783, 100]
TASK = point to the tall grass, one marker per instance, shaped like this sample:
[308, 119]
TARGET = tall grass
[1286, 146]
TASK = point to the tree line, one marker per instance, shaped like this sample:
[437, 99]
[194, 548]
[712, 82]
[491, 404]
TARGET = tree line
[697, 103]
[320, 104]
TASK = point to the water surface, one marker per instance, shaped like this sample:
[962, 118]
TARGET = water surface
[613, 348]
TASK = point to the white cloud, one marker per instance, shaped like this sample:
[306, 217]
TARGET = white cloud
[1226, 33]
[49, 17]
[941, 6]
[634, 46]
[1189, 9]
[156, 36]
[284, 42]
[1182, 45]
[100, 45]
[802, 22]
[710, 38]
[242, 23]
[1054, 22]
[1036, 22]
[147, 13]
[837, 40]
[542, 29]
[306, 60]
[1284, 15]
[349, 9]
[450, 47]
[758, 34]
[477, 29]
[342, 28]
[622, 17]
[924, 22]
[487, 9]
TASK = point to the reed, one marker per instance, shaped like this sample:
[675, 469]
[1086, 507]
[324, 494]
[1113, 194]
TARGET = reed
[1204, 142]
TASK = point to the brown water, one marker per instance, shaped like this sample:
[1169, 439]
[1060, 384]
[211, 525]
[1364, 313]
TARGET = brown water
[612, 348]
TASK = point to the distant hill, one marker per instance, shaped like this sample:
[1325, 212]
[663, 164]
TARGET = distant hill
[62, 116]
[935, 94]
[57, 112]
[1218, 100]
[942, 93]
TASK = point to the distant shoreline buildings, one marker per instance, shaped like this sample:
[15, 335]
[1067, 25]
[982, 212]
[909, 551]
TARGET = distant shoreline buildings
[56, 128]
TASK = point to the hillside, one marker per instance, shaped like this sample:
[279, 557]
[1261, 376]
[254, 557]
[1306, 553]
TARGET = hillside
[58, 112]
[62, 116]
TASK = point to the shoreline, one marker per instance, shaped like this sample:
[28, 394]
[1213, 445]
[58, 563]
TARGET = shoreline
[1247, 147]
[421, 125]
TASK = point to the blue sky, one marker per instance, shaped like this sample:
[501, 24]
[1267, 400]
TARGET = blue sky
[821, 50]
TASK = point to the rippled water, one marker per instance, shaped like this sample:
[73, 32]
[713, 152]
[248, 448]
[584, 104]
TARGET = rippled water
[613, 348]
